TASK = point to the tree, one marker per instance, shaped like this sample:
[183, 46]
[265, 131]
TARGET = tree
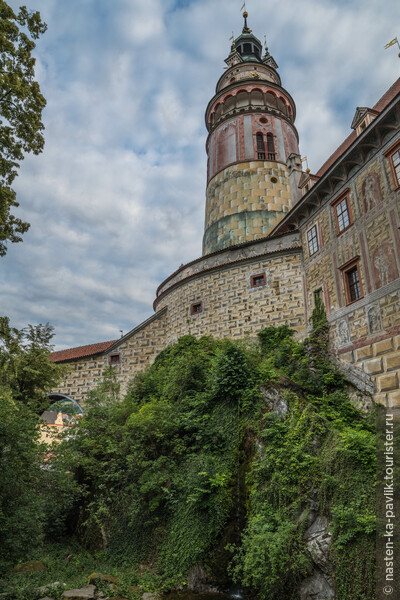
[21, 513]
[21, 105]
[26, 370]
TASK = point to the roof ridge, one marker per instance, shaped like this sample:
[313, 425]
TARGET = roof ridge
[81, 351]
[387, 97]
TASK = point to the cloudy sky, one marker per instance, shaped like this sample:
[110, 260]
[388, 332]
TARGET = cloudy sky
[116, 200]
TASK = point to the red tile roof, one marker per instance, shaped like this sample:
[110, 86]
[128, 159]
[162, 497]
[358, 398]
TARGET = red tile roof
[80, 352]
[379, 106]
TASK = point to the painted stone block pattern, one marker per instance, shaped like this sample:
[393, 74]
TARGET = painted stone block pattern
[231, 307]
[136, 353]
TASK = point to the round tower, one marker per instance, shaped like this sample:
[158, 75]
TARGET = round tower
[252, 147]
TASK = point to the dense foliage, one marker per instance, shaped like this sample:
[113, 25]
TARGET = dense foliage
[21, 105]
[159, 469]
[216, 456]
[26, 371]
[27, 490]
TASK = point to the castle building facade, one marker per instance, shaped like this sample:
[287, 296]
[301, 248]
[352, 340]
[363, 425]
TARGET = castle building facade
[276, 237]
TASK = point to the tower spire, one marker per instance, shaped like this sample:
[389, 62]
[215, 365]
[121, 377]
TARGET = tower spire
[245, 28]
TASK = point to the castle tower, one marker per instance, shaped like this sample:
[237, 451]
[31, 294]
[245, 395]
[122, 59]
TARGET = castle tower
[254, 166]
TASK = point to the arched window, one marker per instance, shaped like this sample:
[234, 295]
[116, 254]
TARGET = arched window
[270, 146]
[260, 146]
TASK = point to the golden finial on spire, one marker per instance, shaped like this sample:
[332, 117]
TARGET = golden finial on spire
[245, 15]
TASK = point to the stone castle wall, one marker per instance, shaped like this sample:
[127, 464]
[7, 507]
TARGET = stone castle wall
[366, 332]
[231, 307]
[217, 294]
[137, 350]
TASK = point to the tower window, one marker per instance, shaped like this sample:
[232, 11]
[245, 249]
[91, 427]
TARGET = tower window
[196, 308]
[270, 146]
[312, 240]
[258, 280]
[260, 146]
[247, 48]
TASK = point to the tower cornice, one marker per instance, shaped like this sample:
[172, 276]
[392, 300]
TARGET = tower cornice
[245, 84]
[252, 65]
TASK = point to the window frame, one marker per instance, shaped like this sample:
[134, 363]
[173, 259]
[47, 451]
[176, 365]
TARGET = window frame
[346, 269]
[193, 305]
[315, 226]
[344, 196]
[389, 153]
[115, 363]
[271, 151]
[255, 276]
[260, 146]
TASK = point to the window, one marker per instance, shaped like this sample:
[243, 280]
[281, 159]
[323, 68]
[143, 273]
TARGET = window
[270, 146]
[352, 281]
[260, 146]
[258, 280]
[114, 359]
[393, 153]
[312, 240]
[396, 166]
[196, 308]
[341, 208]
[342, 215]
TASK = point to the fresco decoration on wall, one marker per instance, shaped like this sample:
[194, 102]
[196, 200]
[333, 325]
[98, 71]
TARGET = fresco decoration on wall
[226, 145]
[374, 318]
[384, 265]
[343, 333]
[371, 191]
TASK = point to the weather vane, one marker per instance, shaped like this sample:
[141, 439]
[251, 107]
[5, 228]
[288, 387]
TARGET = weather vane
[394, 41]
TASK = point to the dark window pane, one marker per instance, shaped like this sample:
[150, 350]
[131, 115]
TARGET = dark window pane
[257, 280]
[270, 146]
[260, 146]
[354, 284]
[342, 213]
[312, 240]
[396, 165]
[195, 308]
